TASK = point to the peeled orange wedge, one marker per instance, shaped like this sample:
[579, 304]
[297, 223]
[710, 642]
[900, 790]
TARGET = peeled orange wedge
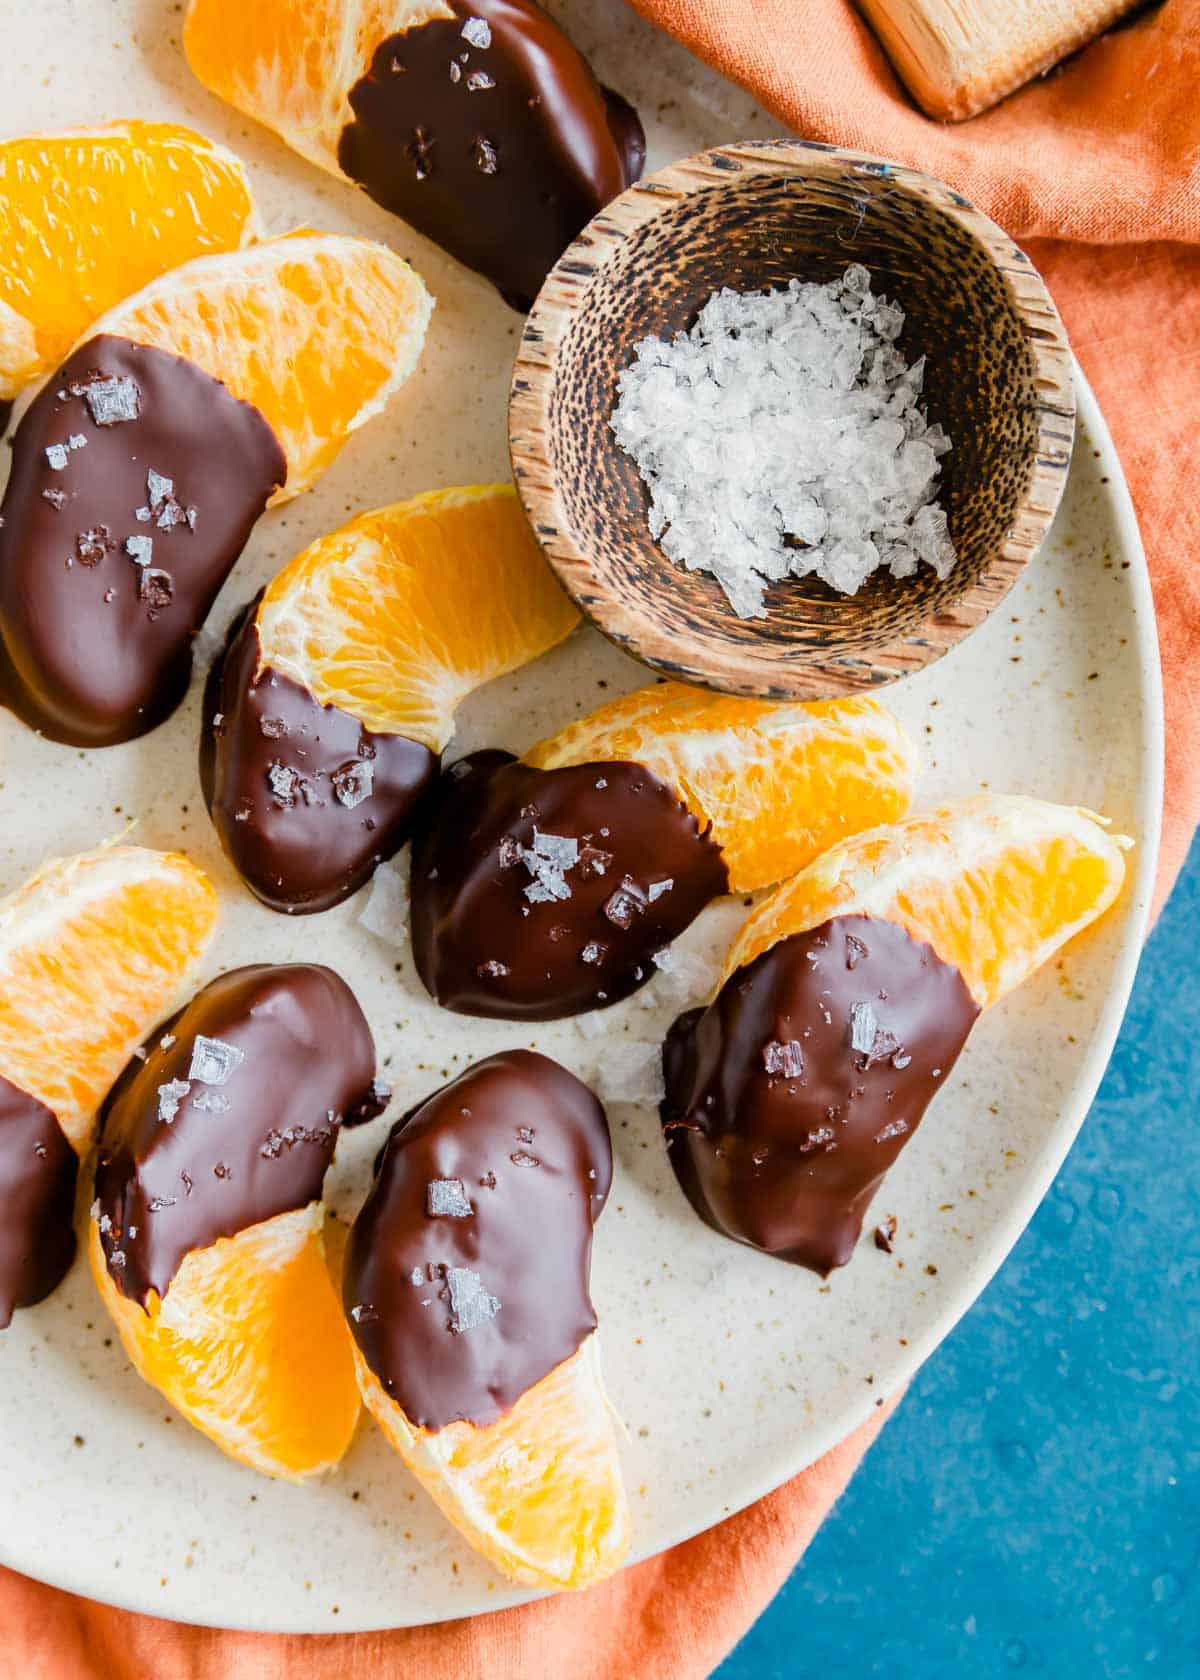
[539, 1492]
[93, 949]
[403, 612]
[88, 216]
[777, 782]
[249, 1344]
[291, 63]
[996, 885]
[315, 330]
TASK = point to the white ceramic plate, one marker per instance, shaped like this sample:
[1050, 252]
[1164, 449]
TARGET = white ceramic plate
[732, 1371]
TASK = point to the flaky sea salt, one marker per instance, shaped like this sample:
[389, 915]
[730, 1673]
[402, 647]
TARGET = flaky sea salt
[446, 1198]
[112, 400]
[782, 436]
[170, 1096]
[470, 1303]
[385, 914]
[547, 861]
[631, 1071]
[478, 32]
[213, 1060]
[353, 782]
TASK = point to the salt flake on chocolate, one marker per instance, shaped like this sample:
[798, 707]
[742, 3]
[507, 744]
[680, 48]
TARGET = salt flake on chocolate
[863, 1027]
[446, 1198]
[470, 1303]
[211, 1102]
[170, 1096]
[547, 861]
[353, 782]
[478, 33]
[213, 1060]
[56, 454]
[139, 549]
[112, 400]
[785, 1059]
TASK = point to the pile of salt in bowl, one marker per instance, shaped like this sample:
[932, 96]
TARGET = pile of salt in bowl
[783, 436]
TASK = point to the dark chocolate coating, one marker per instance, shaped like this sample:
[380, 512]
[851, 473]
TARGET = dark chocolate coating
[483, 948]
[167, 1186]
[789, 1164]
[297, 844]
[529, 1147]
[500, 153]
[93, 648]
[38, 1169]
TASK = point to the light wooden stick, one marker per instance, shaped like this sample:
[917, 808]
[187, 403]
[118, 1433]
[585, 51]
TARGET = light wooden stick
[957, 57]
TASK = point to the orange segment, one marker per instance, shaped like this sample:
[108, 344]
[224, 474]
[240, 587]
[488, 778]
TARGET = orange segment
[315, 329]
[93, 950]
[539, 1493]
[778, 783]
[399, 615]
[249, 1344]
[291, 63]
[995, 885]
[90, 215]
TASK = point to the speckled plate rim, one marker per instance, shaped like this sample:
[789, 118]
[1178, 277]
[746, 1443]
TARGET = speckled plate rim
[989, 1256]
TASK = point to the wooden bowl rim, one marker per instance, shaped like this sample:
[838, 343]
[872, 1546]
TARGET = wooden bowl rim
[742, 669]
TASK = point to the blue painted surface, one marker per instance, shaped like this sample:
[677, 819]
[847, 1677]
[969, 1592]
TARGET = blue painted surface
[1034, 1507]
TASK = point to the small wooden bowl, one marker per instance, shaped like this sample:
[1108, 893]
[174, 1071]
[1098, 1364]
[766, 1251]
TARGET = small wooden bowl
[747, 216]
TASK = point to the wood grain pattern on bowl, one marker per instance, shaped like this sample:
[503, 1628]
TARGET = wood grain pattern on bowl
[998, 377]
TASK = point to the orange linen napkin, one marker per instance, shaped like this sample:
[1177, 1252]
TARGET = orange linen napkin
[1097, 171]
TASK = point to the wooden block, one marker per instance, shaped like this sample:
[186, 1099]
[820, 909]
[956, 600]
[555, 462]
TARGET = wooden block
[957, 57]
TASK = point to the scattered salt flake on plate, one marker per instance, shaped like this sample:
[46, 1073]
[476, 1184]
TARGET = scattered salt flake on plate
[631, 1072]
[470, 1303]
[213, 1060]
[446, 1198]
[594, 1023]
[385, 913]
[686, 975]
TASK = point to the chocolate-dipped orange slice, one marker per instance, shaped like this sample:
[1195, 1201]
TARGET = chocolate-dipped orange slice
[475, 120]
[92, 949]
[848, 996]
[89, 215]
[326, 716]
[207, 1229]
[466, 1288]
[544, 886]
[142, 465]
